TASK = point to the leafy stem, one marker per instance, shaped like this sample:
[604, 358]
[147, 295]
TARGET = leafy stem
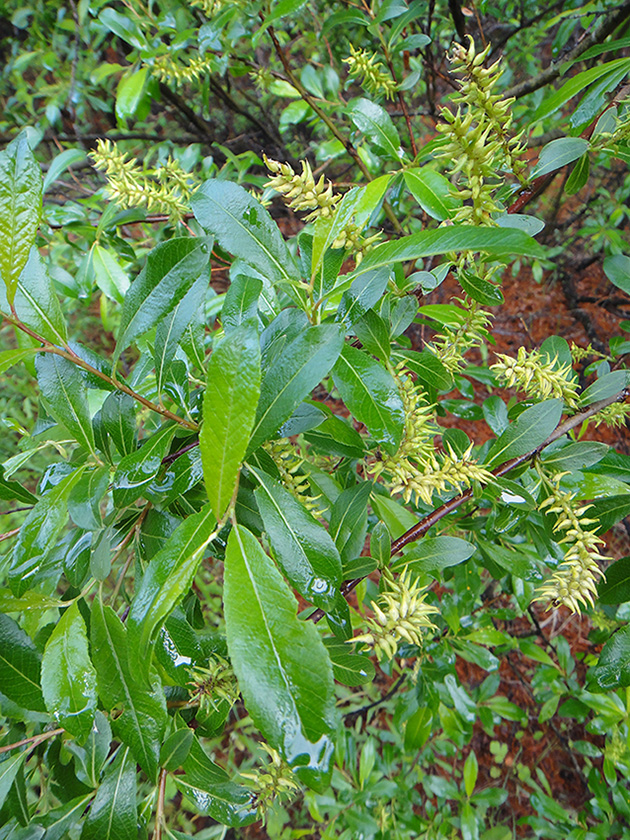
[71, 356]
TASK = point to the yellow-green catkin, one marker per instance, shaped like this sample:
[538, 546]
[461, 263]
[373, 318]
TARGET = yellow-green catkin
[400, 615]
[574, 583]
[302, 192]
[274, 782]
[538, 376]
[614, 416]
[212, 685]
[166, 189]
[365, 66]
[167, 69]
[452, 344]
[293, 469]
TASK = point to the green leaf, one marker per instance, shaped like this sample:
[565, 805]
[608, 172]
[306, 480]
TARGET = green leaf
[176, 748]
[526, 433]
[432, 554]
[20, 666]
[210, 789]
[8, 771]
[244, 228]
[113, 813]
[68, 676]
[229, 409]
[65, 392]
[372, 332]
[349, 668]
[127, 28]
[376, 124]
[130, 92]
[606, 386]
[426, 243]
[381, 545]
[20, 209]
[8, 358]
[617, 269]
[575, 84]
[170, 330]
[480, 290]
[615, 589]
[36, 303]
[514, 559]
[427, 367]
[303, 548]
[366, 290]
[471, 770]
[559, 153]
[118, 416]
[12, 490]
[241, 302]
[418, 729]
[167, 578]
[579, 175]
[574, 456]
[335, 436]
[60, 163]
[371, 394]
[39, 533]
[432, 191]
[109, 276]
[291, 704]
[609, 511]
[137, 470]
[613, 668]
[301, 366]
[348, 521]
[170, 271]
[141, 715]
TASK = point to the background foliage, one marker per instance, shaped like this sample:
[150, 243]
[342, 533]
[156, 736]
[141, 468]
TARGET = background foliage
[290, 549]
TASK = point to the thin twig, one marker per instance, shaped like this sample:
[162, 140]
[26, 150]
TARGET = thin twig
[35, 740]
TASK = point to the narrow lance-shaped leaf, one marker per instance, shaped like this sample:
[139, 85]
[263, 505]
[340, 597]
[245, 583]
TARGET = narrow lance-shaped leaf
[303, 547]
[300, 367]
[20, 666]
[170, 271]
[113, 814]
[36, 303]
[64, 389]
[167, 578]
[137, 470]
[141, 722]
[371, 394]
[20, 209]
[229, 410]
[529, 430]
[39, 533]
[281, 664]
[68, 676]
[8, 771]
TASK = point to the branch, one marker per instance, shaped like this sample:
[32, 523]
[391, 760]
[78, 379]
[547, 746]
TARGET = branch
[427, 522]
[597, 35]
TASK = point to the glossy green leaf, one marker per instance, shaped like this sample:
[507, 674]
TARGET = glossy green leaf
[167, 578]
[615, 588]
[241, 302]
[90, 758]
[20, 209]
[427, 367]
[137, 470]
[36, 303]
[516, 560]
[381, 545]
[140, 720]
[113, 813]
[432, 191]
[579, 175]
[575, 455]
[617, 269]
[171, 329]
[13, 491]
[8, 358]
[418, 729]
[108, 274]
[244, 228]
[613, 668]
[303, 548]
[59, 821]
[60, 163]
[130, 92]
[170, 271]
[20, 666]
[349, 668]
[68, 676]
[176, 748]
[335, 436]
[291, 704]
[301, 366]
[574, 85]
[65, 392]
[559, 153]
[609, 511]
[606, 386]
[371, 394]
[348, 521]
[211, 791]
[432, 554]
[471, 771]
[126, 27]
[229, 410]
[9, 769]
[39, 533]
[365, 291]
[480, 290]
[375, 123]
[372, 332]
[118, 416]
[526, 433]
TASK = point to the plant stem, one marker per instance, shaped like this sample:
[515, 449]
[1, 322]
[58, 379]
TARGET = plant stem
[427, 522]
[34, 741]
[71, 356]
[159, 810]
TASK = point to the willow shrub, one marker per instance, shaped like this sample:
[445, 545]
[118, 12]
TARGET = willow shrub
[259, 442]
